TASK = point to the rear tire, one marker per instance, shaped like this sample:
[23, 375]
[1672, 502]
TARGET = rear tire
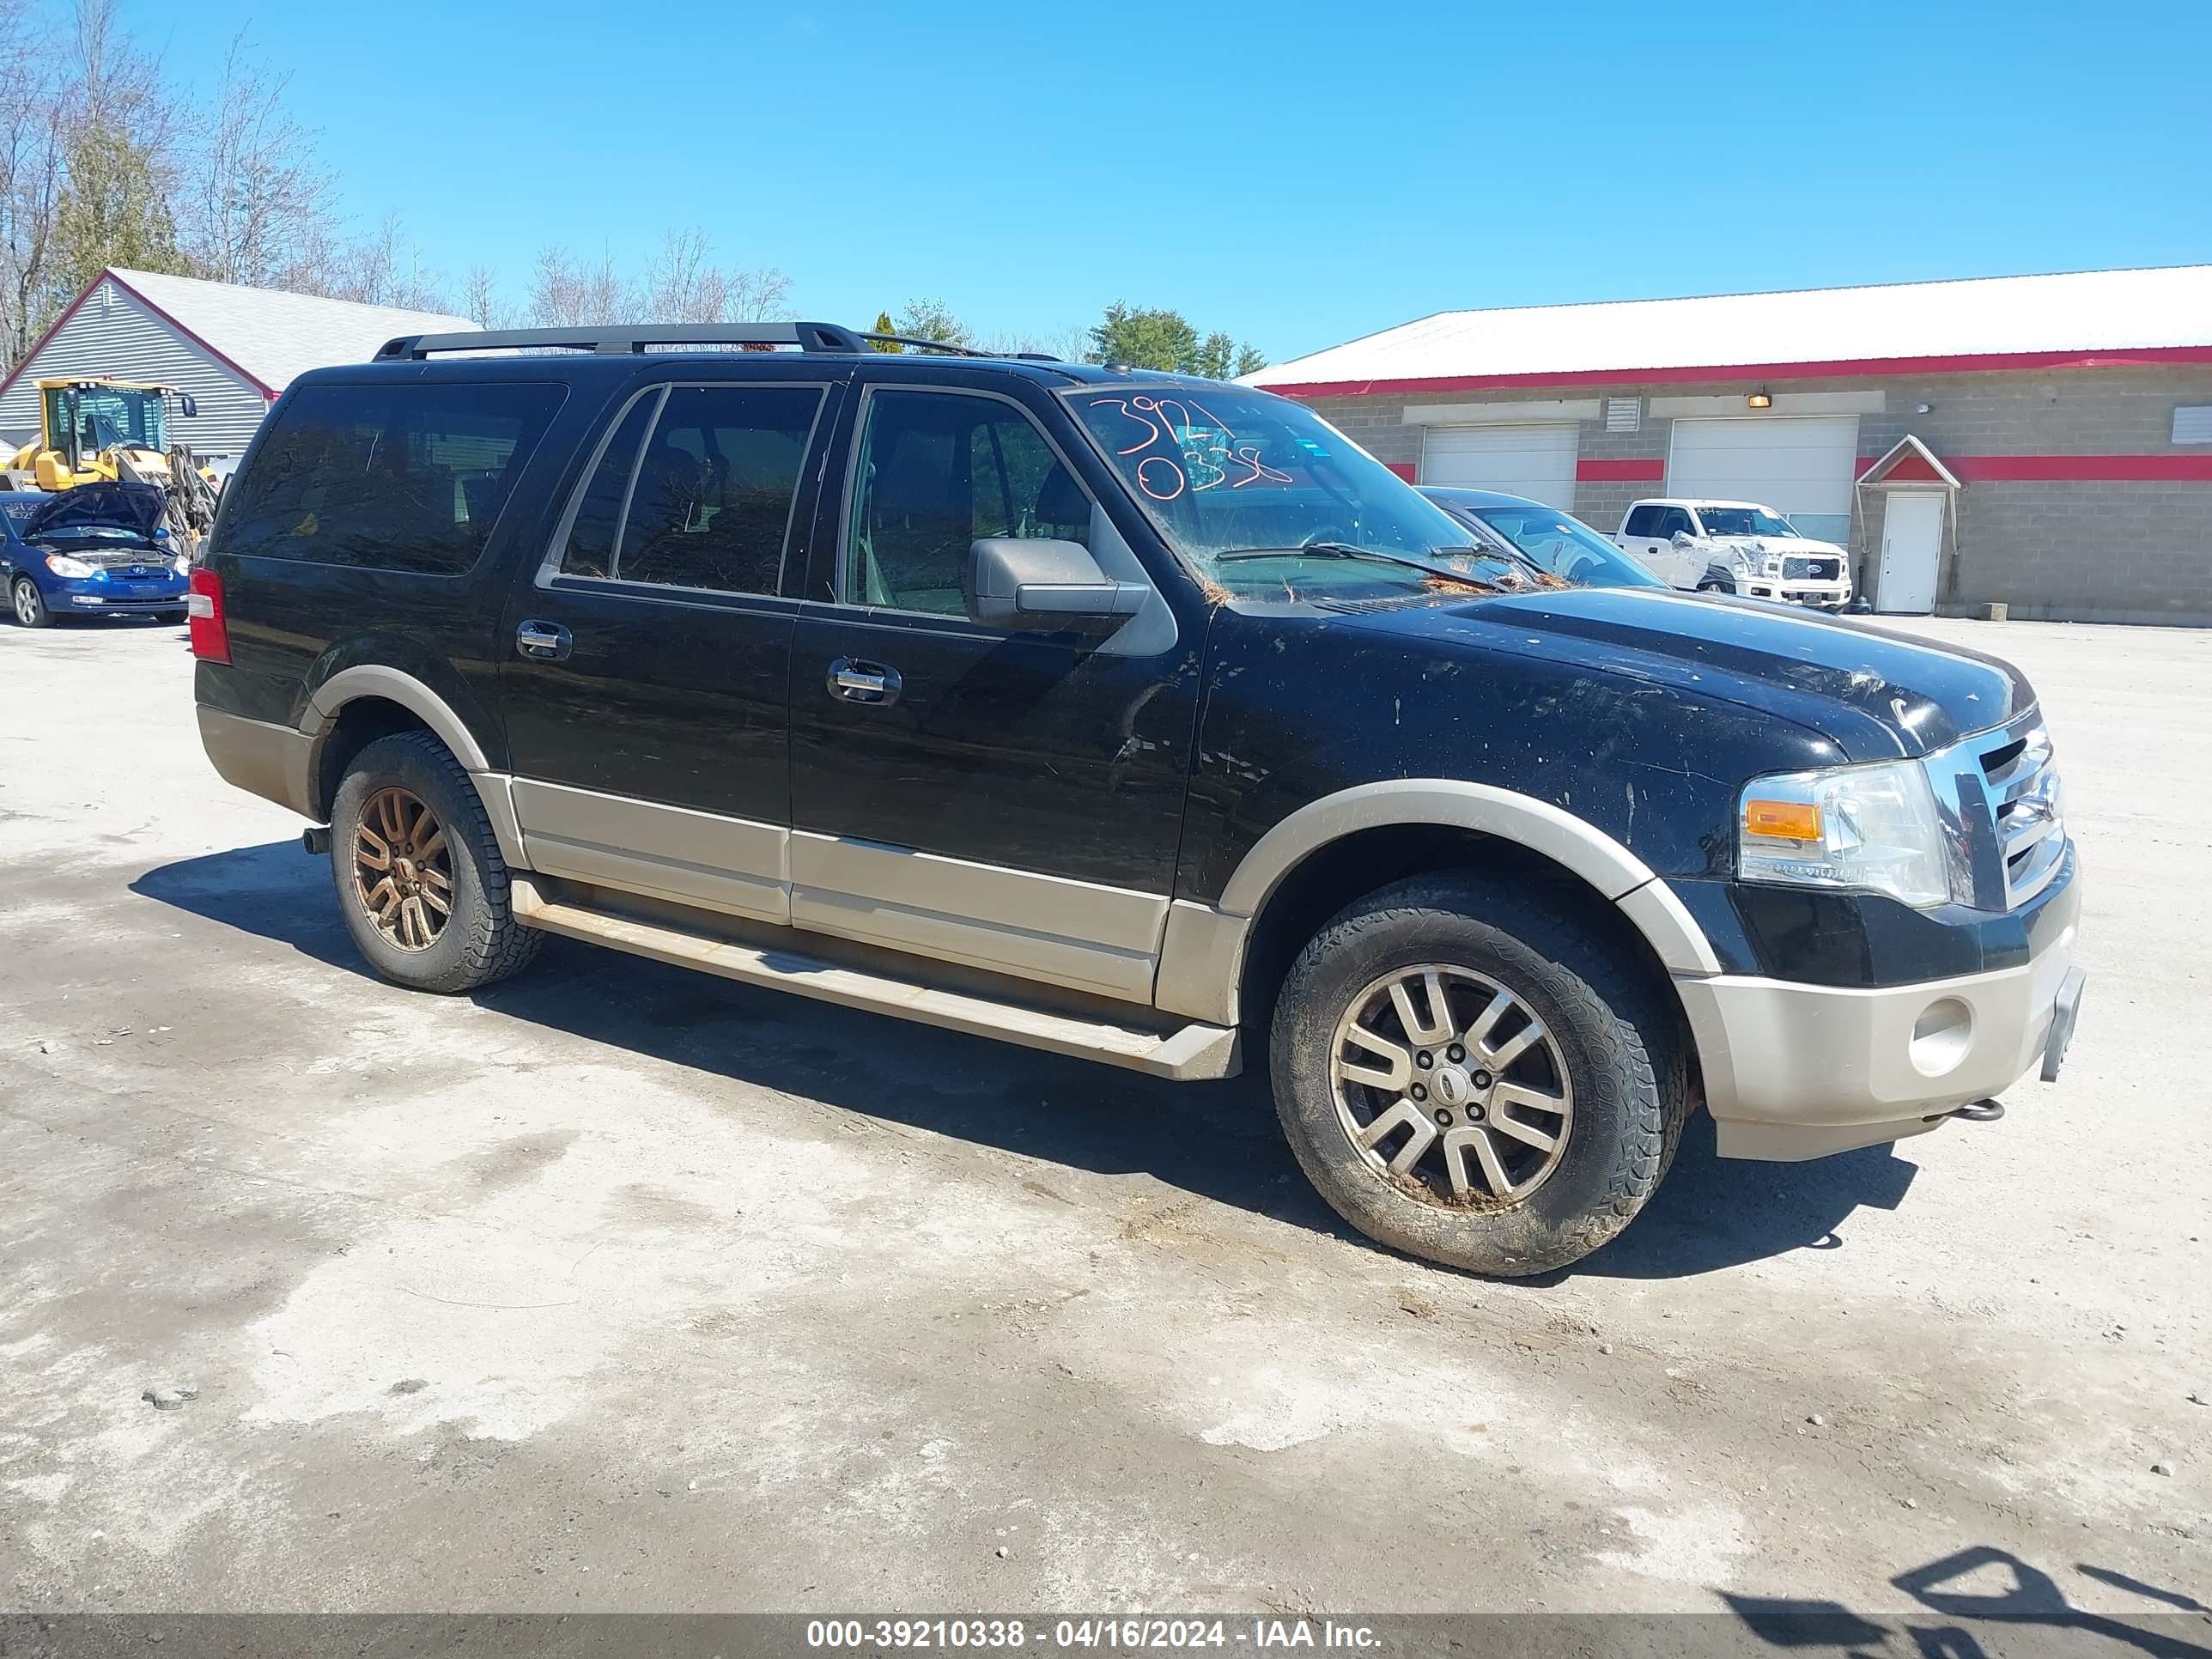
[28, 605]
[421, 881]
[1602, 1079]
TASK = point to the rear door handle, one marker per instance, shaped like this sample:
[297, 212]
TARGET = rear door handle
[543, 641]
[869, 683]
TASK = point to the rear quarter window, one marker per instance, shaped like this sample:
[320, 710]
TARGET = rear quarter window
[386, 478]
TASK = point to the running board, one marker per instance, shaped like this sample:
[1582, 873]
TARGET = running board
[1196, 1051]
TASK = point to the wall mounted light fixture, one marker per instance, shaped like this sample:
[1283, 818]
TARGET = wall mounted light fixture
[1759, 399]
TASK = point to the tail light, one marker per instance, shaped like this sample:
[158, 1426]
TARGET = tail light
[210, 627]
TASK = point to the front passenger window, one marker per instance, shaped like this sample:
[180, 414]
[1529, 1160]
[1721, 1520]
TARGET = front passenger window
[937, 472]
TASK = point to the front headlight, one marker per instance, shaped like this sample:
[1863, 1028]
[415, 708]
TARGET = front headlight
[182, 564]
[62, 565]
[1870, 829]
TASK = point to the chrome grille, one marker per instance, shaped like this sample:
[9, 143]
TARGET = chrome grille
[2003, 812]
[2026, 801]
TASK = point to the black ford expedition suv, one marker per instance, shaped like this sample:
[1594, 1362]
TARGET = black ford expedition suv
[1135, 717]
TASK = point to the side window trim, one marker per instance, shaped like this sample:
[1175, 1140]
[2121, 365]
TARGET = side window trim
[549, 568]
[863, 410]
[558, 546]
[629, 485]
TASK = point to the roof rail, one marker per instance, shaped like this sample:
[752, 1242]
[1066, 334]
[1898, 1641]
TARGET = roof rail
[921, 344]
[626, 338]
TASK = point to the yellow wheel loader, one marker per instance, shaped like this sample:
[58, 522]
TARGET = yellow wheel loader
[104, 431]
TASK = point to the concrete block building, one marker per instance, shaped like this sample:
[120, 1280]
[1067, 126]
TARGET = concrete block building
[2044, 442]
[233, 349]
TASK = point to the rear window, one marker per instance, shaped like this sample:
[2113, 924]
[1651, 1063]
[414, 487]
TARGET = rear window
[386, 478]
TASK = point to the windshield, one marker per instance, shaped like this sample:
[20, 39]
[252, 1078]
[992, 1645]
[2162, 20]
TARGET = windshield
[1744, 521]
[106, 417]
[1225, 470]
[1566, 546]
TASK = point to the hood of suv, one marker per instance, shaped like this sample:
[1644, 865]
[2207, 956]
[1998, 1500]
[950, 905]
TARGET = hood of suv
[1875, 695]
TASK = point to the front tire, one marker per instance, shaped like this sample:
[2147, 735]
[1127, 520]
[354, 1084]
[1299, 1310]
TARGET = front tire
[29, 604]
[1472, 1078]
[421, 881]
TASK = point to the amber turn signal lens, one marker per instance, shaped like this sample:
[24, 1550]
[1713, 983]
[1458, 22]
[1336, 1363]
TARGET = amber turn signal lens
[1784, 820]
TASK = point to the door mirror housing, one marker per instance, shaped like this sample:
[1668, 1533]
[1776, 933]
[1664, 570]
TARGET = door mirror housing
[188, 406]
[1014, 582]
[1682, 538]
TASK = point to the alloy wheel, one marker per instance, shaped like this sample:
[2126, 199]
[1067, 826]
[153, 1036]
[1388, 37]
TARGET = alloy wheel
[1449, 1083]
[26, 604]
[403, 870]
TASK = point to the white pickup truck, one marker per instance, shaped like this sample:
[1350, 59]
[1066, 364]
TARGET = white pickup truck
[1734, 547]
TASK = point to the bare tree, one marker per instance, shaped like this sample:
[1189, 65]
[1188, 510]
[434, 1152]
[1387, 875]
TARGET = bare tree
[386, 268]
[31, 172]
[564, 295]
[685, 286]
[121, 132]
[481, 301]
[257, 204]
[1069, 344]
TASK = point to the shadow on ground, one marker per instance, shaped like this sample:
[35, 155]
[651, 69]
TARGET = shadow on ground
[1218, 1140]
[1990, 1602]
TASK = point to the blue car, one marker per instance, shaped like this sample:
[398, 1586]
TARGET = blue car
[97, 550]
[1558, 542]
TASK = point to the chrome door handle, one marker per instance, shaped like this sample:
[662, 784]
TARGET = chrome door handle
[868, 682]
[543, 641]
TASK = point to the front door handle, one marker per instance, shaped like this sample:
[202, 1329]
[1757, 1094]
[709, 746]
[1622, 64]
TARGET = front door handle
[543, 641]
[852, 680]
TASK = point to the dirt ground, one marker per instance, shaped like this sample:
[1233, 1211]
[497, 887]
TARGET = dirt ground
[619, 1287]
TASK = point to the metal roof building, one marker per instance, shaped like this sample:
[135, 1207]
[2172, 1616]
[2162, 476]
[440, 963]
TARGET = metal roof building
[233, 348]
[2060, 427]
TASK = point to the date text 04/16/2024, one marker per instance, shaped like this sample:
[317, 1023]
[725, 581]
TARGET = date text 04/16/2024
[1115, 1633]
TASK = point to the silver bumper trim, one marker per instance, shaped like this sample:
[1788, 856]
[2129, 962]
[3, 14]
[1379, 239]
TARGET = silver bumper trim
[1796, 1071]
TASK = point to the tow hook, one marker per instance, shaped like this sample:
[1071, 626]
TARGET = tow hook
[1974, 1111]
[315, 839]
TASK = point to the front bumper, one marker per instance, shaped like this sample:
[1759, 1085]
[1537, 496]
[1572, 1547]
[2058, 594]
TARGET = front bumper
[1795, 1071]
[87, 596]
[1829, 596]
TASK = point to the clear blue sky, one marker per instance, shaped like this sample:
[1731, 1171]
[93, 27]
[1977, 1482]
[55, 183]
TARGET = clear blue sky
[1296, 175]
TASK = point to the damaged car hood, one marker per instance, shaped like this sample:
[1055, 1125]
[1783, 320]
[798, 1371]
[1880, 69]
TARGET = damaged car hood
[136, 508]
[1876, 695]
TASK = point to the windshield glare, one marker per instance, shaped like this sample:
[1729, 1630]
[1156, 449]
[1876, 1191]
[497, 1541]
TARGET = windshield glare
[1744, 521]
[1566, 547]
[1222, 469]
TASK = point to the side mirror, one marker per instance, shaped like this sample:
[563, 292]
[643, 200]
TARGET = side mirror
[1015, 583]
[1682, 539]
[188, 406]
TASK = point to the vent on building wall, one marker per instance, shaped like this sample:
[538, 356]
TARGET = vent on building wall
[1624, 414]
[2192, 425]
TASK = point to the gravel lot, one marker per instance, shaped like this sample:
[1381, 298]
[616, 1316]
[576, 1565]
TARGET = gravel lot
[624, 1288]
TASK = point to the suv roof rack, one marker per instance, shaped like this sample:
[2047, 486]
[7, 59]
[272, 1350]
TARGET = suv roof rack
[624, 339]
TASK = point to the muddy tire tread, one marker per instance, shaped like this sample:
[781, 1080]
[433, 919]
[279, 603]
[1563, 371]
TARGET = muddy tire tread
[497, 946]
[1576, 968]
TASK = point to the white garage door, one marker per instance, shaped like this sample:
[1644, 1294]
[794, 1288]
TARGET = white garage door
[1536, 461]
[1801, 468]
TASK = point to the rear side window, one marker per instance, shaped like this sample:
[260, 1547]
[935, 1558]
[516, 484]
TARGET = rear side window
[706, 502]
[387, 477]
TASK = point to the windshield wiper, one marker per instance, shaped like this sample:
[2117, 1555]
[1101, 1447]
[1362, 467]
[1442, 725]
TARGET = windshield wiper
[1347, 550]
